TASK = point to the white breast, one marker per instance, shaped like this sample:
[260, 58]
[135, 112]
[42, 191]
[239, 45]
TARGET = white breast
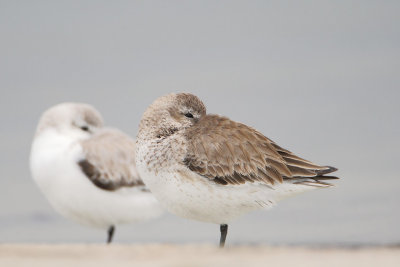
[54, 168]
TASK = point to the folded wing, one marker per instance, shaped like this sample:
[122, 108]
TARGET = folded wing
[231, 153]
[109, 160]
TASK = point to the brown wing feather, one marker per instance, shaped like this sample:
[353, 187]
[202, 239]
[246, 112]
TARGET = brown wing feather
[231, 153]
[110, 160]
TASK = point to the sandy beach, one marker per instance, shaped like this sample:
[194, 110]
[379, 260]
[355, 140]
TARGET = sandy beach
[192, 255]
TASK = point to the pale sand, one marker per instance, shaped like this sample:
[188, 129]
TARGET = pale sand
[191, 255]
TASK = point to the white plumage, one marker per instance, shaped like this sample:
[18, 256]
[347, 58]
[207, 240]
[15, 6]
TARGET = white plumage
[61, 142]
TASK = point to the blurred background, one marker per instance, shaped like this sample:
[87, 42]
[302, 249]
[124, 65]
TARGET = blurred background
[320, 78]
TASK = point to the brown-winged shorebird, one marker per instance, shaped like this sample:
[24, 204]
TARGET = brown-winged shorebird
[212, 169]
[86, 171]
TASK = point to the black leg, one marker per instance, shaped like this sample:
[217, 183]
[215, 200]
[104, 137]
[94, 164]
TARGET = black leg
[110, 234]
[224, 231]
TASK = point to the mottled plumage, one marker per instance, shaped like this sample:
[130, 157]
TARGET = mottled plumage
[210, 168]
[228, 152]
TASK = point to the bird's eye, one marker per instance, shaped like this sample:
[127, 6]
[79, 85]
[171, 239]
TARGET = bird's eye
[189, 115]
[85, 128]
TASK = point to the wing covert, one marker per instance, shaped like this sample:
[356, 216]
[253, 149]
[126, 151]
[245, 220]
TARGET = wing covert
[109, 160]
[231, 153]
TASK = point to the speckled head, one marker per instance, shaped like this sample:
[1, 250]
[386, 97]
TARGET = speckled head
[169, 114]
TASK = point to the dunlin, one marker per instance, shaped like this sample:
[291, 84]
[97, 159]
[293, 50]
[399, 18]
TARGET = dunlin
[86, 171]
[212, 169]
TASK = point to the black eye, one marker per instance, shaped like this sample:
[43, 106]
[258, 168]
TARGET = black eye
[189, 115]
[85, 128]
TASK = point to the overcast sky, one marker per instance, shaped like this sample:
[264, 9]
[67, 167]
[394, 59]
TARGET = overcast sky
[321, 78]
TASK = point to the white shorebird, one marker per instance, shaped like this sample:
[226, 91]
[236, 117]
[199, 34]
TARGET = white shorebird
[87, 172]
[212, 169]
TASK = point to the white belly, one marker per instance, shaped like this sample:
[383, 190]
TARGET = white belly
[72, 194]
[189, 195]
[194, 197]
